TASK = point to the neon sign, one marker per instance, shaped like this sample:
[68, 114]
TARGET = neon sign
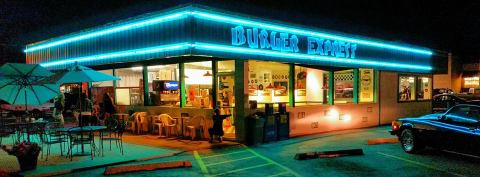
[284, 42]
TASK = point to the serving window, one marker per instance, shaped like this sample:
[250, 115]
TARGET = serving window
[163, 85]
[414, 88]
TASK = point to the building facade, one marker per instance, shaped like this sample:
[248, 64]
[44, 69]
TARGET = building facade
[193, 59]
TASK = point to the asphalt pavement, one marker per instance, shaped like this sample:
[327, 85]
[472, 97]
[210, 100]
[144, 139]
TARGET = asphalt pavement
[277, 159]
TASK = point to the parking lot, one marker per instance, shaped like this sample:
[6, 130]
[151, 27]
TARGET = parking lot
[277, 159]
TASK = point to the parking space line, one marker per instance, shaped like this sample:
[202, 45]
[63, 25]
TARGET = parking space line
[199, 160]
[279, 174]
[242, 169]
[273, 162]
[217, 155]
[419, 164]
[229, 161]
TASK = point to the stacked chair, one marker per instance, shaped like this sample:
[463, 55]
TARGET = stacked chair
[194, 124]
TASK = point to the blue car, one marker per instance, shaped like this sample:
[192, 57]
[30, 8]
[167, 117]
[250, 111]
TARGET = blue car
[458, 129]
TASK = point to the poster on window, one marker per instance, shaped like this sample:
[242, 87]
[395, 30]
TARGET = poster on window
[281, 88]
[366, 85]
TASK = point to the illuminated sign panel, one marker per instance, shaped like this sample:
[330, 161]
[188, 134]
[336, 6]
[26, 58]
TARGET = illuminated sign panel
[284, 42]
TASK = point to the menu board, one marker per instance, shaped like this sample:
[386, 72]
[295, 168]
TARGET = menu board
[366, 85]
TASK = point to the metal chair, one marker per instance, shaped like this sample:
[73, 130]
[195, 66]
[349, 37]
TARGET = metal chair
[51, 136]
[114, 133]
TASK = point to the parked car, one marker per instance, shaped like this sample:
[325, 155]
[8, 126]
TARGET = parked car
[442, 91]
[458, 130]
[443, 102]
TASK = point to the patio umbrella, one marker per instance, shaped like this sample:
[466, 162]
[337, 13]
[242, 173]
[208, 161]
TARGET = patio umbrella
[79, 74]
[23, 84]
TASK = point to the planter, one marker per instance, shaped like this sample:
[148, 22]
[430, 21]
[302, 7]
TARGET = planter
[28, 163]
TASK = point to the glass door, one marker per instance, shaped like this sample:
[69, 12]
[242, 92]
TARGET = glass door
[226, 102]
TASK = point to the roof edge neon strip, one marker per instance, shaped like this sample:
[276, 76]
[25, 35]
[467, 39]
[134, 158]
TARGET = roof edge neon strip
[359, 61]
[115, 29]
[225, 19]
[142, 51]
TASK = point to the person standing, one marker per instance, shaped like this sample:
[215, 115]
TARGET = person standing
[109, 108]
[59, 105]
[217, 128]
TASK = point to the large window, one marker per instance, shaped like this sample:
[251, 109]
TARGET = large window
[163, 85]
[130, 86]
[343, 92]
[268, 82]
[366, 85]
[310, 86]
[198, 84]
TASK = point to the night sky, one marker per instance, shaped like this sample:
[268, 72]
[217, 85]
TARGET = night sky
[451, 26]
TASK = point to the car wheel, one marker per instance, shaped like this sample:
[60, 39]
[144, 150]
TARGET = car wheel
[410, 142]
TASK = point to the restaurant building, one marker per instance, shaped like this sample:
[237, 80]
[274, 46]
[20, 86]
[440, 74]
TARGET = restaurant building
[192, 59]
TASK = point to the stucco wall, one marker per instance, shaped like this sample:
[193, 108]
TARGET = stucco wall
[322, 118]
[390, 108]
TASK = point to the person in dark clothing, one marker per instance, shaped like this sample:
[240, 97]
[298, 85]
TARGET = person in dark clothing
[217, 128]
[108, 107]
[108, 103]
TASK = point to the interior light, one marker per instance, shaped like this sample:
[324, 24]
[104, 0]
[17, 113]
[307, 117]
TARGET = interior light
[137, 68]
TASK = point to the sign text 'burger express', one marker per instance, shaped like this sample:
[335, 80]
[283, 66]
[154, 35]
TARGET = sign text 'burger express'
[285, 42]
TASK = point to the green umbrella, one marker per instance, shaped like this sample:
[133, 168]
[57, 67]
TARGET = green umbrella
[23, 84]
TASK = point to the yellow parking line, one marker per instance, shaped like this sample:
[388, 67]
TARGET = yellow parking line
[273, 162]
[229, 161]
[242, 169]
[419, 164]
[210, 156]
[199, 160]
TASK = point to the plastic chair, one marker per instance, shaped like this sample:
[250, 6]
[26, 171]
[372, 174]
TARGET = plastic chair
[157, 122]
[168, 123]
[140, 123]
[193, 124]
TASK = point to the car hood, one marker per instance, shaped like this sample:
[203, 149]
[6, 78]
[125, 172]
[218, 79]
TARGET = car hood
[424, 117]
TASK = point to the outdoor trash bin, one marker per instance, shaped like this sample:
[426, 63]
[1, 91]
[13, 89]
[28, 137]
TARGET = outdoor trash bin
[283, 126]
[270, 129]
[255, 129]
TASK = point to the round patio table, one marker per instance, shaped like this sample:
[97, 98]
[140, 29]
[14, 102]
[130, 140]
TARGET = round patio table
[19, 126]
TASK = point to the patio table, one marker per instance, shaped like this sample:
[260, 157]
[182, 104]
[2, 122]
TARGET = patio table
[82, 130]
[19, 126]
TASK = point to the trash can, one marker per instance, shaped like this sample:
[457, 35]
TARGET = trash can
[270, 129]
[283, 126]
[255, 128]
